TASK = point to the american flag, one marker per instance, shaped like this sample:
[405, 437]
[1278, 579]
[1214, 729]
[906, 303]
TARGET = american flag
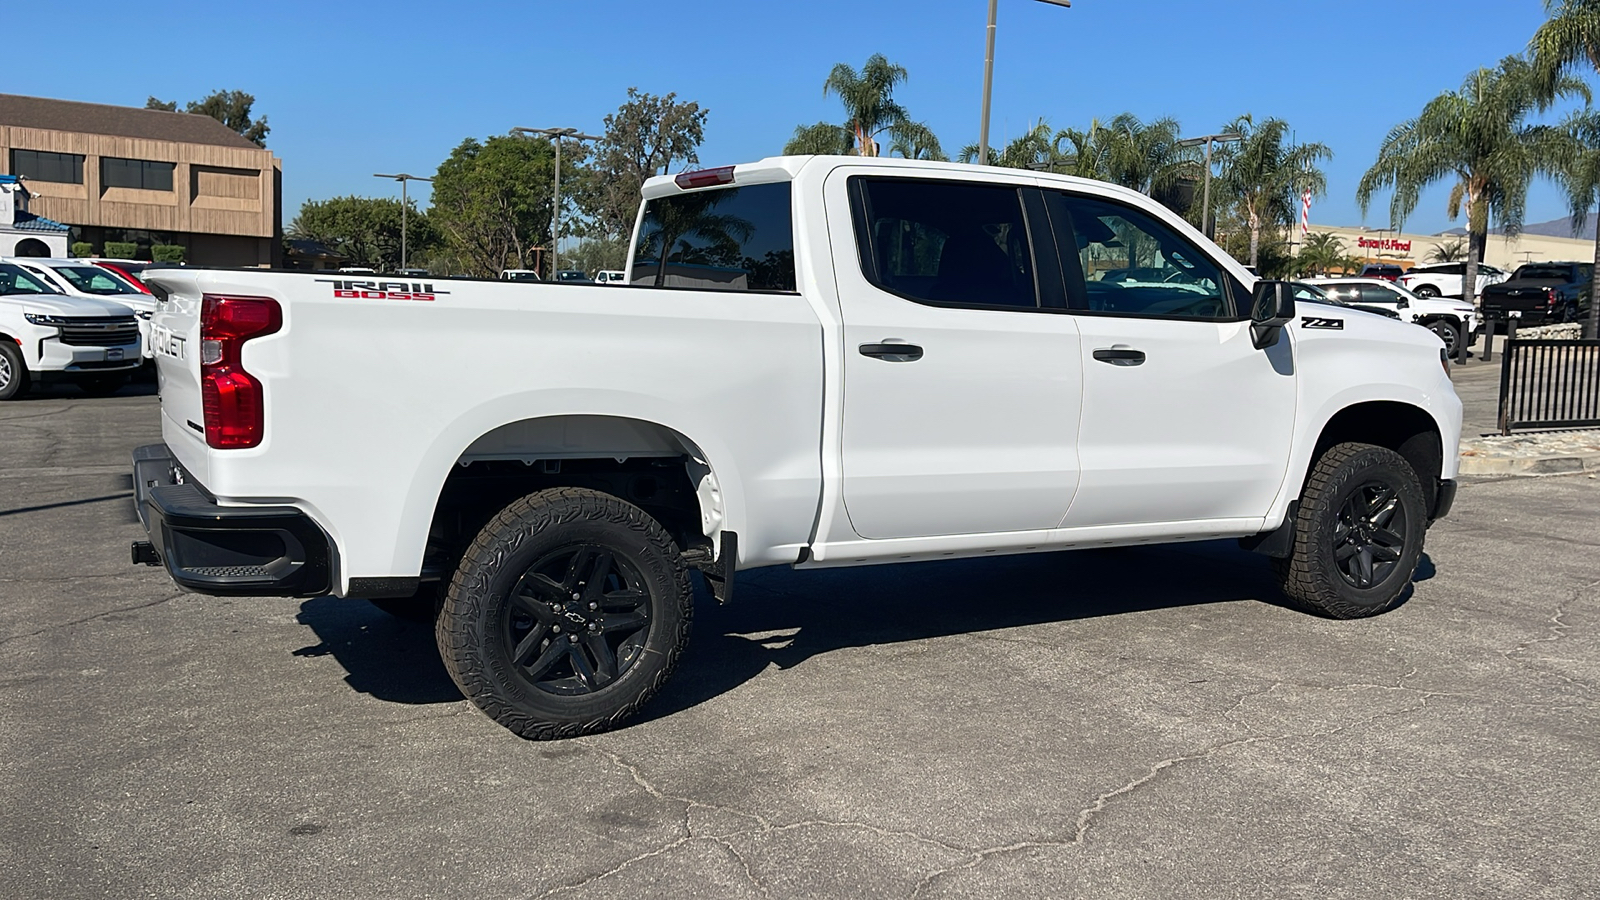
[1305, 212]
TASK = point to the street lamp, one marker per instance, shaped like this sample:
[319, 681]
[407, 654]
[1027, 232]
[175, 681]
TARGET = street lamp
[988, 79]
[1205, 197]
[405, 203]
[556, 134]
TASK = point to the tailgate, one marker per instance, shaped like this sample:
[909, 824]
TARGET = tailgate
[1520, 298]
[175, 345]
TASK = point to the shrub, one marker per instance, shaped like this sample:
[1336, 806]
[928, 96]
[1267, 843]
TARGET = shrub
[167, 253]
[82, 248]
[121, 249]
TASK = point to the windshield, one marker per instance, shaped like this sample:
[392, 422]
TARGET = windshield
[1311, 292]
[1557, 272]
[95, 280]
[13, 280]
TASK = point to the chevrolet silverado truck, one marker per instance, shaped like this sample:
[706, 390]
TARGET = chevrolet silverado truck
[815, 361]
[1540, 294]
[47, 337]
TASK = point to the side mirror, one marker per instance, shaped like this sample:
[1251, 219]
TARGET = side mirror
[1271, 308]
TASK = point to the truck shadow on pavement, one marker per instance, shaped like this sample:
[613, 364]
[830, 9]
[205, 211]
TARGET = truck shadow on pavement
[783, 616]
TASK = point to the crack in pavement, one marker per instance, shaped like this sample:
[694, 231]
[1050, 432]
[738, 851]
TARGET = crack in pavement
[98, 615]
[1557, 629]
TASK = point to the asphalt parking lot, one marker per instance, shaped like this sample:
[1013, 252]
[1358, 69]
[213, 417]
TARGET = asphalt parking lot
[1122, 724]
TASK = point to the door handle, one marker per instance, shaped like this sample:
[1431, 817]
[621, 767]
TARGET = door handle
[892, 352]
[1120, 356]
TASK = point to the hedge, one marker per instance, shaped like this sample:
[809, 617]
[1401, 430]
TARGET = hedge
[121, 249]
[167, 253]
[82, 248]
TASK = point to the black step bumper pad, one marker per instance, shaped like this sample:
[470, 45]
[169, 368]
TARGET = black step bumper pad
[230, 551]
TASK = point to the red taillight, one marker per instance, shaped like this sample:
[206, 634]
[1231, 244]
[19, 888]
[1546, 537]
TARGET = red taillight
[1550, 297]
[705, 177]
[234, 414]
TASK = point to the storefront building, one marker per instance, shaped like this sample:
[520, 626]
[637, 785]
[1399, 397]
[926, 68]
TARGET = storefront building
[1375, 245]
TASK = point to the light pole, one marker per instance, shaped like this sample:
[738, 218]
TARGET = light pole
[988, 79]
[1205, 194]
[405, 203]
[556, 134]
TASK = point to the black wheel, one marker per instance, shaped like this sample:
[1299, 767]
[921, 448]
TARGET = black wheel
[14, 380]
[1450, 334]
[1426, 291]
[567, 614]
[1358, 533]
[102, 385]
[419, 607]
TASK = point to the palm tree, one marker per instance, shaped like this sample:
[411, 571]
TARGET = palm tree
[1090, 153]
[1321, 253]
[1477, 136]
[1146, 157]
[915, 140]
[1448, 252]
[1265, 179]
[1570, 38]
[1581, 180]
[868, 98]
[822, 139]
[1033, 149]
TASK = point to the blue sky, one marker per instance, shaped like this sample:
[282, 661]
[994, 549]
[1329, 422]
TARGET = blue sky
[360, 87]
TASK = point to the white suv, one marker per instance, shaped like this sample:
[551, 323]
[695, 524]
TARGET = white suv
[82, 278]
[1450, 319]
[1444, 279]
[48, 336]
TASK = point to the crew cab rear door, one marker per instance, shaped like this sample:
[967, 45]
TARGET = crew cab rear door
[961, 384]
[1183, 418]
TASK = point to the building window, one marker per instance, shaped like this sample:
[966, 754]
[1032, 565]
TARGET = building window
[63, 168]
[135, 173]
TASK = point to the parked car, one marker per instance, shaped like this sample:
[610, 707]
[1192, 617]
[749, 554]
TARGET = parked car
[1541, 293]
[48, 336]
[1444, 279]
[1313, 294]
[573, 276]
[519, 275]
[1451, 320]
[77, 278]
[128, 269]
[877, 390]
[1385, 271]
[611, 276]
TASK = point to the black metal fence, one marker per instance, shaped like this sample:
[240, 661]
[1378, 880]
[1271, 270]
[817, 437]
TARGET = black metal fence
[1549, 384]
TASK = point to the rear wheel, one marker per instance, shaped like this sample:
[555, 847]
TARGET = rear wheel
[567, 613]
[1426, 291]
[1450, 334]
[14, 379]
[102, 385]
[1358, 533]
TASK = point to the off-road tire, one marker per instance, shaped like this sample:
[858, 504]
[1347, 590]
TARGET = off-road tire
[472, 624]
[1310, 576]
[101, 385]
[14, 377]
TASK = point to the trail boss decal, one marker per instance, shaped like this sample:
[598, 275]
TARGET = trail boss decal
[1318, 322]
[382, 290]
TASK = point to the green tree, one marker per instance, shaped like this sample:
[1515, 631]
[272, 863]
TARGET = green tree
[491, 202]
[1089, 153]
[1321, 253]
[868, 98]
[231, 108]
[1145, 156]
[1581, 179]
[1264, 179]
[1479, 138]
[1568, 39]
[1033, 149]
[1448, 251]
[821, 139]
[644, 137]
[593, 254]
[365, 230]
[915, 140]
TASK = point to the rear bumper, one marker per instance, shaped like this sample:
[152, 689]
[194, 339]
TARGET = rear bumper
[229, 551]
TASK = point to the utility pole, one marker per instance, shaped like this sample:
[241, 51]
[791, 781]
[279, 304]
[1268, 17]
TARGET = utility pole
[988, 78]
[1205, 196]
[556, 134]
[405, 206]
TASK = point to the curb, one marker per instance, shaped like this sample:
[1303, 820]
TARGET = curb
[1536, 465]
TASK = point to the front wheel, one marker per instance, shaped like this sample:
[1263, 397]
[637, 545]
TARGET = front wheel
[1358, 533]
[566, 615]
[14, 381]
[1450, 334]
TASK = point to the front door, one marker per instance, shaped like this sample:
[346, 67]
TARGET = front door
[1183, 418]
[961, 390]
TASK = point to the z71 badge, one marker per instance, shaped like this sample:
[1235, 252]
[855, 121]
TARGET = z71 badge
[1318, 322]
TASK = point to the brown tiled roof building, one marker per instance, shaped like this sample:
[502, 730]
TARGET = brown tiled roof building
[118, 173]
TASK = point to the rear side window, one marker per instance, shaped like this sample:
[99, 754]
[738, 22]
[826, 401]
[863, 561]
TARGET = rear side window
[946, 243]
[727, 239]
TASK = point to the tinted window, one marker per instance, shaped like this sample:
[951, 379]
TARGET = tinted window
[1377, 293]
[726, 239]
[946, 243]
[135, 173]
[95, 280]
[63, 168]
[1132, 265]
[14, 280]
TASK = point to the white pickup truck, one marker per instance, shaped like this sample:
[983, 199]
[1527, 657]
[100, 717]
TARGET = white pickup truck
[816, 361]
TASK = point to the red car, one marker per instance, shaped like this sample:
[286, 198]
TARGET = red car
[129, 269]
